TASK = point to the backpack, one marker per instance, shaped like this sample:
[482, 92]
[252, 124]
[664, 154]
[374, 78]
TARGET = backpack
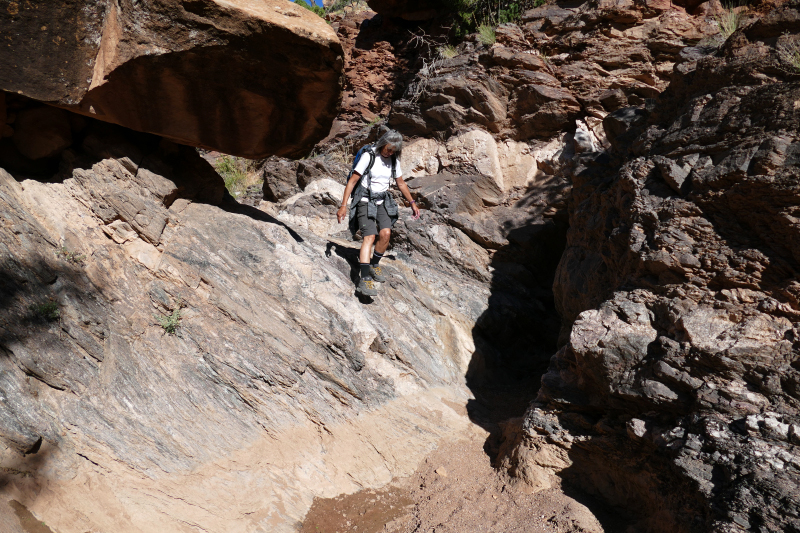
[368, 148]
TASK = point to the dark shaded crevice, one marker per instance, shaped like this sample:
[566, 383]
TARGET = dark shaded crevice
[517, 334]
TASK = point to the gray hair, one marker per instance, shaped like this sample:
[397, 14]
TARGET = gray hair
[391, 138]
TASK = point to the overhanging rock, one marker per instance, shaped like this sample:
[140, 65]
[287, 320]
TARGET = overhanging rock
[245, 77]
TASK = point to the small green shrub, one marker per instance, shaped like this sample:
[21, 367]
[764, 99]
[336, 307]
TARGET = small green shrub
[469, 15]
[235, 172]
[46, 311]
[171, 322]
[545, 58]
[340, 5]
[342, 153]
[374, 121]
[486, 35]
[728, 22]
[72, 257]
[447, 51]
[789, 53]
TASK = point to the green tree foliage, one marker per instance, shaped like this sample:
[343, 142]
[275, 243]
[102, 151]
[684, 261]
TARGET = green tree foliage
[470, 15]
[311, 7]
[234, 171]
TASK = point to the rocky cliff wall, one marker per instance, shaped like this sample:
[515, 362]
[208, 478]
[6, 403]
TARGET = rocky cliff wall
[676, 389]
[277, 386]
[674, 395]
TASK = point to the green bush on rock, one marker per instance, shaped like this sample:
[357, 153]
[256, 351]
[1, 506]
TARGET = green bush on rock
[470, 15]
[311, 7]
[236, 172]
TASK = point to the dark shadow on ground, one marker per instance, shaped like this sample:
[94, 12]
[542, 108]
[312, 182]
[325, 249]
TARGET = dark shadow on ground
[351, 256]
[230, 205]
[519, 331]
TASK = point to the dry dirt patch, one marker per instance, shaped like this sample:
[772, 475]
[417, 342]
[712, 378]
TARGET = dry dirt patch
[455, 490]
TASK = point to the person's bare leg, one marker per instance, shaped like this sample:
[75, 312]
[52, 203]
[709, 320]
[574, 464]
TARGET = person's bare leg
[366, 249]
[383, 240]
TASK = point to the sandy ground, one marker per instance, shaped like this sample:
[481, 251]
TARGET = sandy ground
[455, 489]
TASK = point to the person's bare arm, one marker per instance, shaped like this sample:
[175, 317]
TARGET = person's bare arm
[401, 184]
[351, 184]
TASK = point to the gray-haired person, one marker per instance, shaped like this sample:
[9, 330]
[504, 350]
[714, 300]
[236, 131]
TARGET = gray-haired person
[372, 209]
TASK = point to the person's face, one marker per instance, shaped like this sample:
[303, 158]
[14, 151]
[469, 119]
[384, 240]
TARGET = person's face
[387, 151]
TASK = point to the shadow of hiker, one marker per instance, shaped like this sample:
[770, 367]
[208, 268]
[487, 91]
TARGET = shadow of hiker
[351, 257]
[230, 205]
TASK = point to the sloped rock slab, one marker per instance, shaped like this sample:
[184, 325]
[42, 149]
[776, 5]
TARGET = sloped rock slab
[268, 392]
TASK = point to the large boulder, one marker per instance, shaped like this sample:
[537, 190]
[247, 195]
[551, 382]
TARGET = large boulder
[245, 78]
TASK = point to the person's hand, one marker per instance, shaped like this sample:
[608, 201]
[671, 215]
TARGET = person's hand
[341, 213]
[415, 210]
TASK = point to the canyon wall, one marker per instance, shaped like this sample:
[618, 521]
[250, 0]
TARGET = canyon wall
[676, 390]
[610, 182]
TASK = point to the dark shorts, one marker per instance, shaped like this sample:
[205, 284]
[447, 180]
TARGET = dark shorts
[367, 225]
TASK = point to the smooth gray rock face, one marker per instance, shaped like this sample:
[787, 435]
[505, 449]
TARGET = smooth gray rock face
[272, 353]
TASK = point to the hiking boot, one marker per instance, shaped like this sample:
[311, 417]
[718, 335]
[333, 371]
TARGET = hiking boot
[377, 273]
[366, 287]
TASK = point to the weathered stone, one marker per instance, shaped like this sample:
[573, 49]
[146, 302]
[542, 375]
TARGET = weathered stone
[674, 173]
[271, 345]
[613, 99]
[623, 125]
[202, 74]
[509, 58]
[541, 111]
[280, 178]
[680, 310]
[553, 14]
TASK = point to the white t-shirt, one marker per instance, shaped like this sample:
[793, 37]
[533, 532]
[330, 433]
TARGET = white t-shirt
[381, 173]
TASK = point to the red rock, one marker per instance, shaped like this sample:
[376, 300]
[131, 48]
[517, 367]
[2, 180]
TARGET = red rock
[242, 77]
[522, 60]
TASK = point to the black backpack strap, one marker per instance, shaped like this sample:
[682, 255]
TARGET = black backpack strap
[367, 172]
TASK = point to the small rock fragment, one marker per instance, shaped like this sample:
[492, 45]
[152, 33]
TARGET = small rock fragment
[636, 428]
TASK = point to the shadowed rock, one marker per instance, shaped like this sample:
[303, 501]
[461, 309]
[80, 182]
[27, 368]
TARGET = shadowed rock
[408, 9]
[242, 77]
[680, 304]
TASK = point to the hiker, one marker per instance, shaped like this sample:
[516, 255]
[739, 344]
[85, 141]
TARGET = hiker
[372, 209]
